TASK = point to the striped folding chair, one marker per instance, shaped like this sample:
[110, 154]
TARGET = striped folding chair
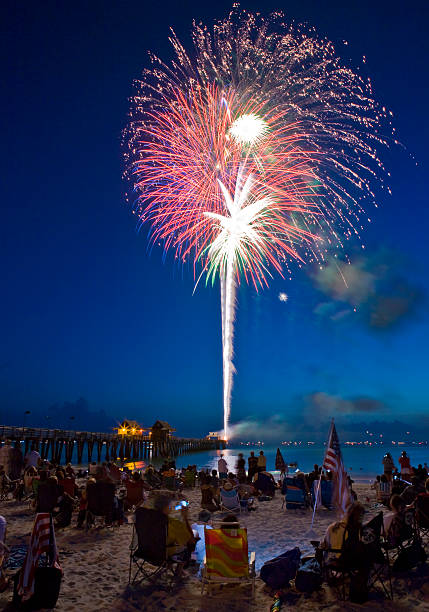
[227, 559]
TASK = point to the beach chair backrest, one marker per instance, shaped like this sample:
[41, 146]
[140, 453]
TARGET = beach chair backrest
[230, 499]
[101, 497]
[294, 493]
[151, 527]
[422, 511]
[227, 553]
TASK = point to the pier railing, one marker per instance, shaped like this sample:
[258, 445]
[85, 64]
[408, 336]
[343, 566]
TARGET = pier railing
[59, 445]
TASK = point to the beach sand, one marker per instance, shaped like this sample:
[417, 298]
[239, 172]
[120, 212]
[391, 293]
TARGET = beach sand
[96, 565]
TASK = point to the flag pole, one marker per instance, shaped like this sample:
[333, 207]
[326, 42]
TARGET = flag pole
[310, 532]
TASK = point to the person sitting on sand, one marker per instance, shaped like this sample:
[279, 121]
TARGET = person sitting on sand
[232, 479]
[208, 495]
[180, 538]
[214, 480]
[264, 483]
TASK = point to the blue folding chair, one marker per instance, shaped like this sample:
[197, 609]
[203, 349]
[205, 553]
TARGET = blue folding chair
[295, 496]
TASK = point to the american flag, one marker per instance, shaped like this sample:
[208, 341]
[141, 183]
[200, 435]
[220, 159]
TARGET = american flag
[42, 541]
[341, 495]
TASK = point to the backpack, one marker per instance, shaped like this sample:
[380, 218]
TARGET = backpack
[309, 577]
[277, 572]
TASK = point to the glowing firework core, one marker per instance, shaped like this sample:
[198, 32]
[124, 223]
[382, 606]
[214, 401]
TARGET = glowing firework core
[248, 129]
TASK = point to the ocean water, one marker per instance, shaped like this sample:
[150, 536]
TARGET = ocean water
[361, 462]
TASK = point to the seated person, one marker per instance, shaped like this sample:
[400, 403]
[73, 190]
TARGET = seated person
[83, 503]
[135, 490]
[115, 472]
[151, 477]
[230, 522]
[64, 516]
[70, 471]
[264, 482]
[421, 505]
[208, 495]
[232, 479]
[394, 524]
[68, 484]
[214, 480]
[342, 538]
[29, 474]
[48, 494]
[204, 522]
[180, 538]
[410, 492]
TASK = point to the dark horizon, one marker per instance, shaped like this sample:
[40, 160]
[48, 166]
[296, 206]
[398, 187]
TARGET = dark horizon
[98, 328]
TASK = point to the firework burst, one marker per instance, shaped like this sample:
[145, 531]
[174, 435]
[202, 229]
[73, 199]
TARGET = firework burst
[257, 150]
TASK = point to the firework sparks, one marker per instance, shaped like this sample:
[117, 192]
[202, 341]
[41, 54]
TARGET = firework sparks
[267, 112]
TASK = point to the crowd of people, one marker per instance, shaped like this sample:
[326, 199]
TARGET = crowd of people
[66, 492]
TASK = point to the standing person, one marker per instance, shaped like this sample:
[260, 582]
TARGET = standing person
[222, 468]
[388, 466]
[241, 468]
[262, 462]
[404, 462]
[253, 466]
[32, 458]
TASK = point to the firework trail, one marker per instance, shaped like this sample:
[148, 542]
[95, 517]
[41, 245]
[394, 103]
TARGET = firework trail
[258, 149]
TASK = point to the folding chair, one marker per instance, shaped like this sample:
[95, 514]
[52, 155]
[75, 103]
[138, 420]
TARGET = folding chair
[408, 533]
[227, 560]
[230, 501]
[338, 568]
[384, 492]
[295, 496]
[422, 515]
[101, 500]
[372, 536]
[148, 548]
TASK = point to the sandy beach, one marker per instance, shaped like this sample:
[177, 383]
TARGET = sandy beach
[95, 565]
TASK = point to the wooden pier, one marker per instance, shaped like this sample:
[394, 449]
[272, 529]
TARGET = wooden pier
[59, 445]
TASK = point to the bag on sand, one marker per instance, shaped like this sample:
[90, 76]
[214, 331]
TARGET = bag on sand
[277, 572]
[47, 583]
[309, 577]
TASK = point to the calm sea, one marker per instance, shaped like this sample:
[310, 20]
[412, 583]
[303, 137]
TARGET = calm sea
[362, 463]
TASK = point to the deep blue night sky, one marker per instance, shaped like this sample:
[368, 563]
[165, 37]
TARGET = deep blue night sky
[87, 312]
